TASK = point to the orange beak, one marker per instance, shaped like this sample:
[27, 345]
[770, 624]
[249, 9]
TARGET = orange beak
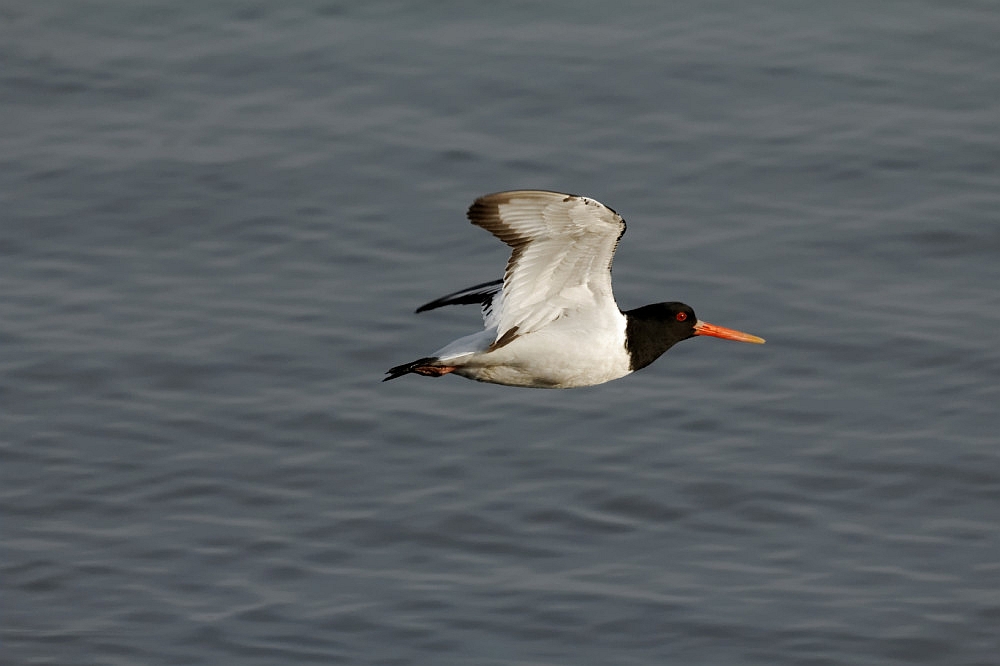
[704, 328]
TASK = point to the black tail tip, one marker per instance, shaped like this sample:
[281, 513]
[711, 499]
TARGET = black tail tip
[407, 368]
[393, 374]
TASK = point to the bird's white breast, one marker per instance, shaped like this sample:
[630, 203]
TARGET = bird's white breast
[564, 354]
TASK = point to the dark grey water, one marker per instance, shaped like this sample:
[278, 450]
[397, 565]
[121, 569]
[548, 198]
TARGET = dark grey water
[218, 217]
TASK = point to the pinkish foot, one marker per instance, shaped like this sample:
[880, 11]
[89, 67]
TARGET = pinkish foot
[434, 370]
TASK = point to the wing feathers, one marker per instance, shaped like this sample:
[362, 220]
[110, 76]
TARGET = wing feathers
[480, 293]
[560, 264]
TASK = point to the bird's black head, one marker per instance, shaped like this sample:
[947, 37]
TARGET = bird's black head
[653, 329]
[674, 320]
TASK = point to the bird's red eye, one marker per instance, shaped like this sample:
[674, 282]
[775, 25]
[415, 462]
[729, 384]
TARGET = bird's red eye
[682, 316]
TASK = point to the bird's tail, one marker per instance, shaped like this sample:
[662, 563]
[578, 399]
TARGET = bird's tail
[429, 366]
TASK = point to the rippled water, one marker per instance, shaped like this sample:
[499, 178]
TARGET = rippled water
[219, 218]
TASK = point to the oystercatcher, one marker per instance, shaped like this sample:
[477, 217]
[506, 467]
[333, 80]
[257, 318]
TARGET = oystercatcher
[552, 321]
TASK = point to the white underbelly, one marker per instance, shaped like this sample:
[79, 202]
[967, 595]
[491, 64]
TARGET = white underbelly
[555, 357]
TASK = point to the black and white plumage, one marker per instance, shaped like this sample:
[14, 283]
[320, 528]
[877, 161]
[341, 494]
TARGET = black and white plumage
[552, 321]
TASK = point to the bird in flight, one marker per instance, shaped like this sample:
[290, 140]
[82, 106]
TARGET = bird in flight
[552, 321]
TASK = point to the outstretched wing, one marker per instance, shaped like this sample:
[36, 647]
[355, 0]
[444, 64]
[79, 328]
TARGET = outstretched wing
[485, 294]
[560, 266]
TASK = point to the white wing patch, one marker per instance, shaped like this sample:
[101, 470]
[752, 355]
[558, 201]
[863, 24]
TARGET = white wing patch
[491, 310]
[560, 266]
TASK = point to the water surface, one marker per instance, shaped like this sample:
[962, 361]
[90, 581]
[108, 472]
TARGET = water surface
[218, 220]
